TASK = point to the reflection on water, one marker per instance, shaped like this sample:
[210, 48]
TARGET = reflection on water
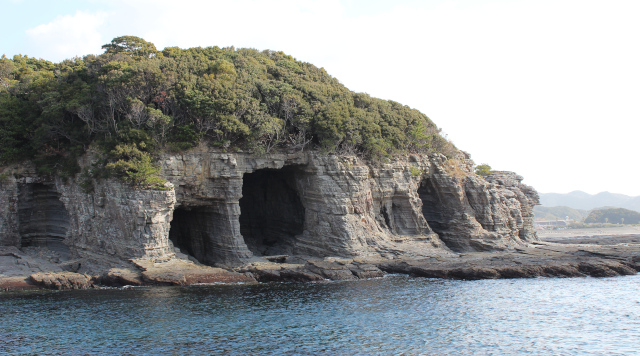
[387, 316]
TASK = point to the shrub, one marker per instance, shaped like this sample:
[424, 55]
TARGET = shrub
[235, 99]
[135, 167]
[483, 170]
[454, 168]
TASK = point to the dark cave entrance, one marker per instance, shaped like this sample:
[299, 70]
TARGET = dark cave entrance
[271, 211]
[191, 231]
[432, 206]
[43, 220]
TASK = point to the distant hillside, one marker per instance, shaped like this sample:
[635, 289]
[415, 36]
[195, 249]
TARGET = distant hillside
[614, 216]
[559, 213]
[585, 201]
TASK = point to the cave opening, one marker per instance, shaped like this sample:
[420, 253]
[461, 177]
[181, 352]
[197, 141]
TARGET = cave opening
[43, 220]
[272, 213]
[432, 206]
[191, 231]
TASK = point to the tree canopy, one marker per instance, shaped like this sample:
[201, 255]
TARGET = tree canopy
[614, 216]
[135, 46]
[133, 97]
[483, 169]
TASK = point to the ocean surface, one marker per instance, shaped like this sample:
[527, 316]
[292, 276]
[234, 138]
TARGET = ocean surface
[394, 315]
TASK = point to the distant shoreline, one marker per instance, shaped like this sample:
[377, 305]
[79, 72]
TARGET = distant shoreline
[593, 236]
[585, 232]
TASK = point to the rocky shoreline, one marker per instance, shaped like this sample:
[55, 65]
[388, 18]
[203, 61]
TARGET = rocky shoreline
[604, 256]
[298, 216]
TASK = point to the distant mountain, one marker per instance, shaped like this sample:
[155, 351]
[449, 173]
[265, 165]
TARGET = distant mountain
[559, 213]
[581, 200]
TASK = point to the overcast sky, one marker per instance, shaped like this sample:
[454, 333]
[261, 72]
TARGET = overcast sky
[548, 89]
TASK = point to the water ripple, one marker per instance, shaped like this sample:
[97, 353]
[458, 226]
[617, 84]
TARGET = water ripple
[386, 316]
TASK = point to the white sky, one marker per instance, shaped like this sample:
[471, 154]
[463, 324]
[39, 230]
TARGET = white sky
[549, 89]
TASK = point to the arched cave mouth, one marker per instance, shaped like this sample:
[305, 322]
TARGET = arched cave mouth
[271, 212]
[191, 230]
[432, 206]
[43, 220]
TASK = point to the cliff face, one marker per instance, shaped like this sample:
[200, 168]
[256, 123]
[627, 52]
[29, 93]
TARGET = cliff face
[229, 209]
[114, 219]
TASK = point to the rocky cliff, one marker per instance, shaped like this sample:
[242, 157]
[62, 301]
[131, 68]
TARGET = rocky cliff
[229, 209]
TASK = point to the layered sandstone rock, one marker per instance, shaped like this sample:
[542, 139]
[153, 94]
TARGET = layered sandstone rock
[229, 209]
[315, 205]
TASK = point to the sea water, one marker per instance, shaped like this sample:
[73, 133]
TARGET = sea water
[394, 315]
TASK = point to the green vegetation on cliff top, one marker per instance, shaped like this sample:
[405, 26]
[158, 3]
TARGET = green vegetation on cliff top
[133, 101]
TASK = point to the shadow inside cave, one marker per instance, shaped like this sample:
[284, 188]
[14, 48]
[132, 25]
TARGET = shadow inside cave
[272, 213]
[432, 206]
[191, 231]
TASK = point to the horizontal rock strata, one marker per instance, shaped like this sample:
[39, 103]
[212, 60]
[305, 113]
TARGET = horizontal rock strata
[228, 210]
[540, 260]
